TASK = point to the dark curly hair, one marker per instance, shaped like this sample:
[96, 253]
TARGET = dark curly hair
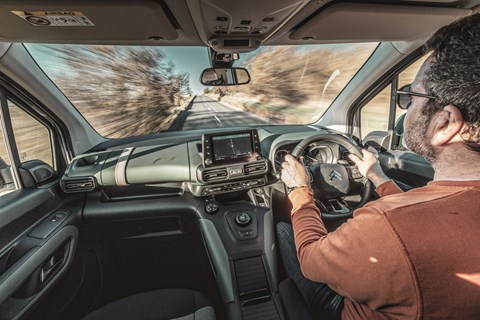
[453, 74]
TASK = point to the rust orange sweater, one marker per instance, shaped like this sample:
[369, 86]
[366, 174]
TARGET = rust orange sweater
[413, 255]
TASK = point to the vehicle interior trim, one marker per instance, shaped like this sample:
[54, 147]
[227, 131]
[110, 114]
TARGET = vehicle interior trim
[270, 248]
[219, 259]
[20, 271]
[365, 22]
[121, 167]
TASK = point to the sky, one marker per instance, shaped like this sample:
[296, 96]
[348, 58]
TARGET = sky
[192, 60]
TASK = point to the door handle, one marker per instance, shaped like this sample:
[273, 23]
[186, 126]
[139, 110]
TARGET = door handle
[51, 265]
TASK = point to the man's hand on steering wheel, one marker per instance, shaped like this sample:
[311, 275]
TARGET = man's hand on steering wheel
[370, 167]
[330, 183]
[294, 173]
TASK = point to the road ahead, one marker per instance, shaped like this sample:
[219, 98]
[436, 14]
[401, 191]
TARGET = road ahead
[208, 113]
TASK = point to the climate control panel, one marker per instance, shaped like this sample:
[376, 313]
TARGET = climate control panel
[232, 186]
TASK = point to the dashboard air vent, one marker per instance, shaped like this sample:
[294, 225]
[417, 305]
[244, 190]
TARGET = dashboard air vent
[214, 174]
[79, 185]
[255, 168]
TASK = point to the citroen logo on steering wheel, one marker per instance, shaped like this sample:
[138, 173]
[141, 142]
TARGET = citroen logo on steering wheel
[335, 175]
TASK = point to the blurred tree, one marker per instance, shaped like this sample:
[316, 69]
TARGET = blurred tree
[138, 88]
[285, 77]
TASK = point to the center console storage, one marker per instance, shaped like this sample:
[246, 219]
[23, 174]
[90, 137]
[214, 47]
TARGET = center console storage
[254, 291]
[239, 235]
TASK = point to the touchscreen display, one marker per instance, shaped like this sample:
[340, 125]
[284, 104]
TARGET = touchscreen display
[232, 146]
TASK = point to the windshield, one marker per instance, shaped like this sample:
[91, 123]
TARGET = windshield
[131, 91]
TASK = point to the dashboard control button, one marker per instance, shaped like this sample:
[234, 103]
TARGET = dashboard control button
[245, 234]
[258, 191]
[236, 171]
[243, 219]
[208, 162]
[211, 208]
[355, 172]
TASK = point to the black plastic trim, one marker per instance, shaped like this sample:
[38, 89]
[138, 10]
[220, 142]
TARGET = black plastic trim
[7, 129]
[57, 129]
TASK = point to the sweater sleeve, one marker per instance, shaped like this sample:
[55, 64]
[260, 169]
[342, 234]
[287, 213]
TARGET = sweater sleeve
[388, 188]
[362, 259]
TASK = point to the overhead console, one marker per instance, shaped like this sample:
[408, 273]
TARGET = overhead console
[240, 26]
[232, 161]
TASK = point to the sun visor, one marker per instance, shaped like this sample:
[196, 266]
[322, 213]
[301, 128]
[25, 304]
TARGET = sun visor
[85, 21]
[355, 22]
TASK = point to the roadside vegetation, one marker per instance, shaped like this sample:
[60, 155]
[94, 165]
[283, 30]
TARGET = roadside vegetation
[292, 84]
[121, 91]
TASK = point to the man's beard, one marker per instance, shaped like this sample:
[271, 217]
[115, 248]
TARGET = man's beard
[416, 139]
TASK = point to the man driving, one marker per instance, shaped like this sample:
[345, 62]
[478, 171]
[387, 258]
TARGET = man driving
[412, 255]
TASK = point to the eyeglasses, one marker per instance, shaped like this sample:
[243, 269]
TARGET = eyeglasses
[404, 96]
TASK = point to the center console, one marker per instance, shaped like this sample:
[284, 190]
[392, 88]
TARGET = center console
[240, 240]
[232, 161]
[237, 224]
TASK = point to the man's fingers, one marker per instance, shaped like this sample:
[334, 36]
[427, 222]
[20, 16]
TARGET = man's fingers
[292, 161]
[367, 153]
[289, 158]
[302, 160]
[354, 158]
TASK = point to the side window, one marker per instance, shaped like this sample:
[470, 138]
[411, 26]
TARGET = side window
[7, 183]
[375, 115]
[32, 137]
[407, 77]
[32, 142]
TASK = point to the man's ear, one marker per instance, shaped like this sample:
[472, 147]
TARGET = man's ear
[447, 126]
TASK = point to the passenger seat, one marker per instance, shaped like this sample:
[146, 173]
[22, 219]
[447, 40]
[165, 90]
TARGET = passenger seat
[167, 304]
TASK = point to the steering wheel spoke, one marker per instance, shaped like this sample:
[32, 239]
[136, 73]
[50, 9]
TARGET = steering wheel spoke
[354, 174]
[334, 208]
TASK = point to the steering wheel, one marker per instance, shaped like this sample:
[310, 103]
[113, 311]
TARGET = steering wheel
[332, 182]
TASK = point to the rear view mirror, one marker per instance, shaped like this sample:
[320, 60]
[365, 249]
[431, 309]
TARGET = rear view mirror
[224, 76]
[226, 57]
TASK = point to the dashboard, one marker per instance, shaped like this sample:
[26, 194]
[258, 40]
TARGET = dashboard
[213, 162]
[223, 181]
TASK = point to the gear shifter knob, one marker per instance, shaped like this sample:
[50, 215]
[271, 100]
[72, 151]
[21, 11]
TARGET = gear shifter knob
[243, 219]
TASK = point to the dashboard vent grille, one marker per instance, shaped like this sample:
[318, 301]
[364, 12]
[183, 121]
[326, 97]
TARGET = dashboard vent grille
[255, 168]
[79, 185]
[214, 174]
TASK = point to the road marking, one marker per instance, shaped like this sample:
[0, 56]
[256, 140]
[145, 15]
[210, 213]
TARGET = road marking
[210, 109]
[263, 121]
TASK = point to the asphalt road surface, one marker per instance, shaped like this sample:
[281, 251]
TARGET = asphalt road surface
[208, 113]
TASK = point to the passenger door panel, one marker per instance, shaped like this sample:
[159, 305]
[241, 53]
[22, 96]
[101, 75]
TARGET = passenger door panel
[38, 244]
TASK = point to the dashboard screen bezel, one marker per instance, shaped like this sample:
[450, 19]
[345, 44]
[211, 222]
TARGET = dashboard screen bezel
[208, 148]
